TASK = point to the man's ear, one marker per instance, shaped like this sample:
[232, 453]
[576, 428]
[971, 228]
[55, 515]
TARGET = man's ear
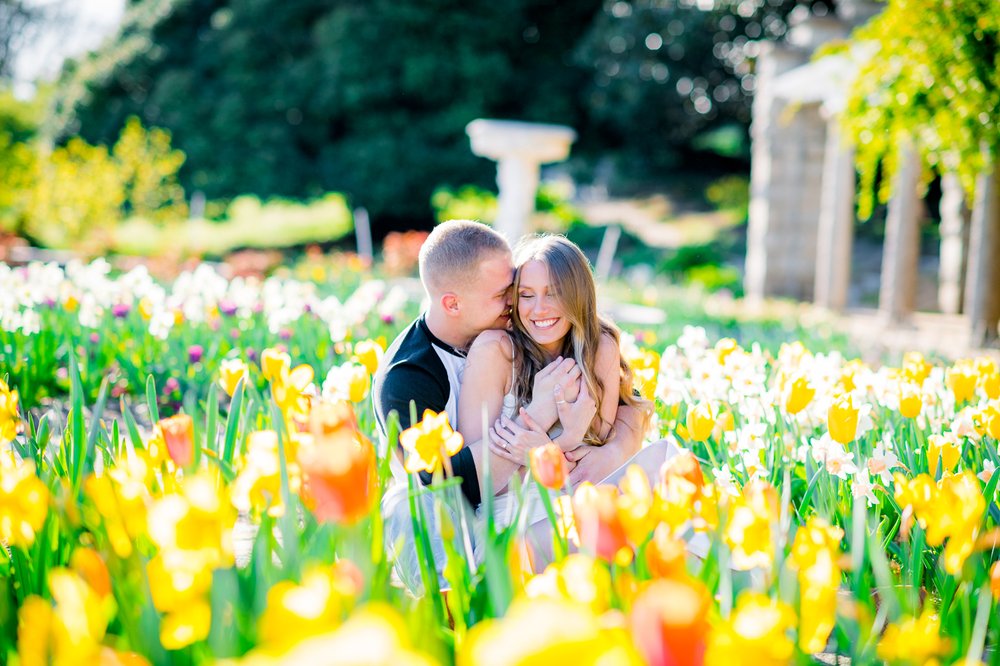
[449, 301]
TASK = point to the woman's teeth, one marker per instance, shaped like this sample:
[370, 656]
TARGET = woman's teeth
[545, 323]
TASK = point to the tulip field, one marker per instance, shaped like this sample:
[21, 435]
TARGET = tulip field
[190, 474]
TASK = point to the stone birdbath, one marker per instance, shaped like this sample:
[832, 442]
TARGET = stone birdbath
[519, 149]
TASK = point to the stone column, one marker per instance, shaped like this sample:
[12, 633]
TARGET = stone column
[785, 176]
[982, 295]
[519, 150]
[901, 251]
[836, 221]
[954, 245]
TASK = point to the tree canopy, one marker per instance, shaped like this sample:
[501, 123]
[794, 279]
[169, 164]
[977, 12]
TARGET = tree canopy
[371, 97]
[933, 82]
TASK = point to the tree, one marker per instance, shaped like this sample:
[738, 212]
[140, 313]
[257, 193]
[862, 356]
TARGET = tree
[296, 97]
[933, 82]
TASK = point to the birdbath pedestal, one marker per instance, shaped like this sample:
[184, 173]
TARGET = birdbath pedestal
[519, 149]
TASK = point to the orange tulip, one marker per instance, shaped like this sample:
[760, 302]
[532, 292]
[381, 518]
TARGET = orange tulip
[685, 466]
[548, 466]
[669, 622]
[339, 465]
[598, 525]
[665, 554]
[177, 433]
[87, 564]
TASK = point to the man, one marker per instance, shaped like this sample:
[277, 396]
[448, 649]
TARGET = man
[467, 270]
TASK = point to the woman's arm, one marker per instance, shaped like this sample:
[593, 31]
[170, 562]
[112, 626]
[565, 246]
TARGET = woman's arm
[484, 383]
[608, 370]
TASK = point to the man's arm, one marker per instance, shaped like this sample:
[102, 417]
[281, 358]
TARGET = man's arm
[408, 382]
[594, 463]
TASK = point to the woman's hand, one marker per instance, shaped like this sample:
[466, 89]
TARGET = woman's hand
[575, 416]
[514, 442]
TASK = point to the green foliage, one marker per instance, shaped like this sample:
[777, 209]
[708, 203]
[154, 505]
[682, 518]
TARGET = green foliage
[664, 74]
[78, 193]
[934, 83]
[553, 210]
[18, 125]
[247, 223]
[299, 97]
[730, 193]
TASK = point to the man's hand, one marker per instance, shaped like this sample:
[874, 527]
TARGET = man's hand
[592, 463]
[513, 442]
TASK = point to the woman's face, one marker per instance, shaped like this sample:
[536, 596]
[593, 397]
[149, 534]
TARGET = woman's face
[539, 309]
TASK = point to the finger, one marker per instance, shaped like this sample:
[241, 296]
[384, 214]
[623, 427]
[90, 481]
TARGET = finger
[500, 437]
[530, 422]
[503, 453]
[574, 372]
[511, 425]
[557, 394]
[577, 454]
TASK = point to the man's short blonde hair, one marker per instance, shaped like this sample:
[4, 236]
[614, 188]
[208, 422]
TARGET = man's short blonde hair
[452, 253]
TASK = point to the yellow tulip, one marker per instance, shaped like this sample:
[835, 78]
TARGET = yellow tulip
[915, 367]
[700, 422]
[539, 632]
[290, 392]
[88, 564]
[24, 502]
[799, 392]
[295, 612]
[991, 385]
[636, 505]
[815, 553]
[947, 448]
[578, 578]
[911, 400]
[914, 640]
[369, 353]
[231, 371]
[991, 417]
[274, 363]
[962, 378]
[429, 442]
[755, 633]
[10, 422]
[842, 419]
[749, 531]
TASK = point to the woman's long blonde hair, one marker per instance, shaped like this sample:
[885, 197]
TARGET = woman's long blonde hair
[572, 283]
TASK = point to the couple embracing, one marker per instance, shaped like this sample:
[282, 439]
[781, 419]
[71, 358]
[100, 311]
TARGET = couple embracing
[518, 333]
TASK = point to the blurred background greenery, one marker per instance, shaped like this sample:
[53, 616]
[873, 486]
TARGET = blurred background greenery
[250, 109]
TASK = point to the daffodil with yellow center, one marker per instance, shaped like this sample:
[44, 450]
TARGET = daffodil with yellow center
[429, 442]
[257, 488]
[118, 501]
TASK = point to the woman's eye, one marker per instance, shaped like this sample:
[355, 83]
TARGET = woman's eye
[524, 295]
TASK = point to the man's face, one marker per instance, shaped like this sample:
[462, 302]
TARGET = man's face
[485, 298]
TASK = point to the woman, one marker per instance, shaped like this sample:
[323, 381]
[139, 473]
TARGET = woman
[559, 350]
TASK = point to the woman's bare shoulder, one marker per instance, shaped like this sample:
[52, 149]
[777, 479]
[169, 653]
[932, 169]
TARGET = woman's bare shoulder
[492, 344]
